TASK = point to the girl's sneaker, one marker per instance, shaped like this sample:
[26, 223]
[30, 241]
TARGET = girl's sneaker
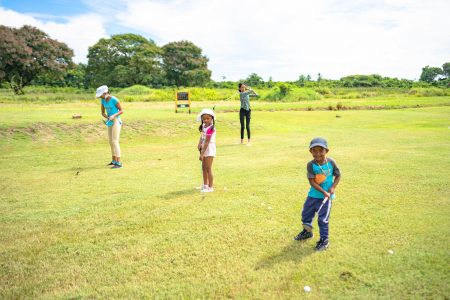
[117, 165]
[207, 189]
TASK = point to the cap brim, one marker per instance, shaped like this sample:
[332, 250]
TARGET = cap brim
[318, 144]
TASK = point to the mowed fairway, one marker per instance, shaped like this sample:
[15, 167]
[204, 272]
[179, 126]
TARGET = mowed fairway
[72, 228]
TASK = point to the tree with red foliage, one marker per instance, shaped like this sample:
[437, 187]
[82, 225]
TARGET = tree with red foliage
[28, 52]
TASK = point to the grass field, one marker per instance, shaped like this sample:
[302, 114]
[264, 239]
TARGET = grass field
[71, 228]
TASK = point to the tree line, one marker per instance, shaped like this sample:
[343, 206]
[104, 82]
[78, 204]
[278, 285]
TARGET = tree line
[28, 56]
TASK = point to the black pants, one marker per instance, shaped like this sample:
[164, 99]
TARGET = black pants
[247, 114]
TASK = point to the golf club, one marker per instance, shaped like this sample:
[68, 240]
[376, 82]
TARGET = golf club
[108, 122]
[308, 227]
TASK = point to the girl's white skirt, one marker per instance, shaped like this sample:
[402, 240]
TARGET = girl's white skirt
[211, 150]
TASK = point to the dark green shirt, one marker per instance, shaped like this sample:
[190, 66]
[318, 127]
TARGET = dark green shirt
[245, 98]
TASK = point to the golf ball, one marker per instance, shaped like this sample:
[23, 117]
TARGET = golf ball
[307, 289]
[391, 251]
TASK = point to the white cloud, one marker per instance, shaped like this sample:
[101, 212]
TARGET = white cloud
[79, 32]
[283, 38]
[286, 38]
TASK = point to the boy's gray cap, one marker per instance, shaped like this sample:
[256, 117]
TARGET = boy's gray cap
[321, 142]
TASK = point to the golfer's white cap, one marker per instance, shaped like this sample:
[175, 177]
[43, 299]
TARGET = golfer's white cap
[101, 90]
[206, 111]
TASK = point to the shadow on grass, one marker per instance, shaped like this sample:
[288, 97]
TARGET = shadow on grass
[295, 251]
[177, 194]
[78, 170]
[235, 144]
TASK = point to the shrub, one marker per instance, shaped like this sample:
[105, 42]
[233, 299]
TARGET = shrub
[135, 90]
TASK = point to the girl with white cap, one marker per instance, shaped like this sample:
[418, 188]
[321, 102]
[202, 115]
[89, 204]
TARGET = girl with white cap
[207, 147]
[111, 110]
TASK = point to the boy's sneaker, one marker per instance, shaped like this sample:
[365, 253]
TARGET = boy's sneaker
[322, 244]
[303, 235]
[117, 165]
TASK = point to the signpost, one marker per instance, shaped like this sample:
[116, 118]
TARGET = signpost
[182, 100]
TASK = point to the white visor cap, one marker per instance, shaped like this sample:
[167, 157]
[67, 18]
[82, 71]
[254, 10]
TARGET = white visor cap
[206, 111]
[101, 90]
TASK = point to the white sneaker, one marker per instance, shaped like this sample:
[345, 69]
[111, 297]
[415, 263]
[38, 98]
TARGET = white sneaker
[207, 190]
[201, 187]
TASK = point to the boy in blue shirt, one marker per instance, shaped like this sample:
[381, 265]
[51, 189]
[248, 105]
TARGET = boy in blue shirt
[320, 172]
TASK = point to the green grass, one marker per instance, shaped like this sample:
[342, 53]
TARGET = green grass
[71, 228]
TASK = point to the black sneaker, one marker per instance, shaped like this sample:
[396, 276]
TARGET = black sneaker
[322, 244]
[303, 235]
[110, 164]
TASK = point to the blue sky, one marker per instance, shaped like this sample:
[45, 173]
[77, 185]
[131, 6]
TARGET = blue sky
[273, 38]
[46, 7]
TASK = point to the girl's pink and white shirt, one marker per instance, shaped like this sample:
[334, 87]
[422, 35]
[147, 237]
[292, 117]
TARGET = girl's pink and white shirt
[209, 131]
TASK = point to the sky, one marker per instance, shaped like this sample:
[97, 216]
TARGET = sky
[281, 39]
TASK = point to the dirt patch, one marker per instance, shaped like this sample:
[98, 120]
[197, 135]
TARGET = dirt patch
[55, 132]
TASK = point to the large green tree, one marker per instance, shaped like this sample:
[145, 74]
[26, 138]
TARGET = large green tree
[429, 74]
[184, 64]
[446, 69]
[124, 60]
[27, 53]
[254, 80]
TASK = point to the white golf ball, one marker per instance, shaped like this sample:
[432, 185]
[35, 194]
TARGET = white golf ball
[307, 289]
[391, 251]
[270, 207]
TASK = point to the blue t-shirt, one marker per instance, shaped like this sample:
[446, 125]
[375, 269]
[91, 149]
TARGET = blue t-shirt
[329, 169]
[111, 107]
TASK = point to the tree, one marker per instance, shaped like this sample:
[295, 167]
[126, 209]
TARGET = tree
[446, 69]
[270, 83]
[27, 53]
[301, 80]
[76, 77]
[184, 64]
[254, 80]
[123, 60]
[429, 74]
